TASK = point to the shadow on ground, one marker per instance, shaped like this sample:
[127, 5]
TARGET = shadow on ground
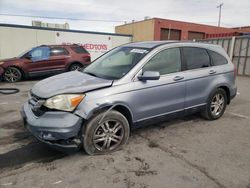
[34, 152]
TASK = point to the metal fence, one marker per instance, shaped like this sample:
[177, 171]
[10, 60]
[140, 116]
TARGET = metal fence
[238, 50]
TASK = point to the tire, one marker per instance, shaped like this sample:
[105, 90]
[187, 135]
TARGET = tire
[106, 136]
[12, 74]
[216, 105]
[76, 67]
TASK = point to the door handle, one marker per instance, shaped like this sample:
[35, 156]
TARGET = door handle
[177, 78]
[212, 72]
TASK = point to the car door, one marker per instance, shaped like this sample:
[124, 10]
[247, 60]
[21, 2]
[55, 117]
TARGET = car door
[39, 60]
[155, 98]
[199, 76]
[58, 57]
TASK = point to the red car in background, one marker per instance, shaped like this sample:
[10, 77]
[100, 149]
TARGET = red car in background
[44, 60]
[1, 73]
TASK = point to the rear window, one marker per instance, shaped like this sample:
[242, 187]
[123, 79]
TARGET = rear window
[79, 50]
[54, 51]
[217, 59]
[196, 58]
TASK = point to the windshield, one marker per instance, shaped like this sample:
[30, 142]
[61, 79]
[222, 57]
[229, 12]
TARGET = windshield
[116, 63]
[25, 52]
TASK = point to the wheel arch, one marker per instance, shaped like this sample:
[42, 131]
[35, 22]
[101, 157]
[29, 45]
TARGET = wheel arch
[122, 108]
[227, 90]
[24, 74]
[74, 62]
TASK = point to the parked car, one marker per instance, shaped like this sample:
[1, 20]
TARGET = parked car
[45, 60]
[1, 73]
[131, 85]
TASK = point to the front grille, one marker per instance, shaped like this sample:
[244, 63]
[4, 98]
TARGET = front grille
[36, 104]
[38, 112]
[32, 95]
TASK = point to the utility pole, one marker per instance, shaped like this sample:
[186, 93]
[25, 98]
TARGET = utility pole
[220, 6]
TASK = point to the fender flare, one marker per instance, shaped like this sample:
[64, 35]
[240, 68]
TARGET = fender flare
[108, 107]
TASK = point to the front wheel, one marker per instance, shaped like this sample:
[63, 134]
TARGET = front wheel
[105, 135]
[216, 105]
[12, 74]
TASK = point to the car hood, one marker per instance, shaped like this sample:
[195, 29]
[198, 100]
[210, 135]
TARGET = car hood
[12, 61]
[70, 82]
[9, 60]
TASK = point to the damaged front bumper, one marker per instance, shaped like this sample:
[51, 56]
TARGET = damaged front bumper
[55, 128]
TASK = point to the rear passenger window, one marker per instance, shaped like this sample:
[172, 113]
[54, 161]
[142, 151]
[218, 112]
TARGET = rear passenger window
[54, 51]
[79, 50]
[217, 59]
[165, 62]
[196, 58]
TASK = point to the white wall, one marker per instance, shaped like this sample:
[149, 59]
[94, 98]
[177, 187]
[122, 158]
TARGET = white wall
[95, 44]
[15, 40]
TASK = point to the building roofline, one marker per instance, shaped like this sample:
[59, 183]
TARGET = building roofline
[61, 30]
[243, 27]
[183, 22]
[135, 22]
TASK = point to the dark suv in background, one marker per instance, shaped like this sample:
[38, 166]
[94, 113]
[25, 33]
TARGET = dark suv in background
[45, 60]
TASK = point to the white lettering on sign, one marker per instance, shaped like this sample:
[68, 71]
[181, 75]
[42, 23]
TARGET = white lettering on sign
[89, 47]
[95, 44]
[139, 51]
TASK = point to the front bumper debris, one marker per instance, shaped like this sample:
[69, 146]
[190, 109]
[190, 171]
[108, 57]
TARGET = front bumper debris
[55, 128]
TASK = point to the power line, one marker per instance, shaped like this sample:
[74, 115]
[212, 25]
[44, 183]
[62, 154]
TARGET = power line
[60, 18]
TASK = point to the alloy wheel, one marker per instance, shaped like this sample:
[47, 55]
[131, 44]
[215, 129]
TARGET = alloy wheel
[75, 67]
[217, 104]
[12, 74]
[108, 135]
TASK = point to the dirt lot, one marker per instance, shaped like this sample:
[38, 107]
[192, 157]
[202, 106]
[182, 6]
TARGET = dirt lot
[188, 152]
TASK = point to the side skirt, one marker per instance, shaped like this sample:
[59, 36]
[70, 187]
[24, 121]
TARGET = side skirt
[168, 117]
[45, 73]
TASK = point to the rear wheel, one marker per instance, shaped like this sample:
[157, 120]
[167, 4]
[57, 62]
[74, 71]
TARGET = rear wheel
[12, 74]
[216, 105]
[76, 67]
[106, 135]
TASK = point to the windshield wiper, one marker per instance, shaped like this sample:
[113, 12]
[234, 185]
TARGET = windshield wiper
[91, 74]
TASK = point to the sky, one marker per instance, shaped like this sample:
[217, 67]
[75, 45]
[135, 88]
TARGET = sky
[103, 16]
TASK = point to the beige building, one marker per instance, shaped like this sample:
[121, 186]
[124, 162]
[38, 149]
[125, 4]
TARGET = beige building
[50, 25]
[141, 31]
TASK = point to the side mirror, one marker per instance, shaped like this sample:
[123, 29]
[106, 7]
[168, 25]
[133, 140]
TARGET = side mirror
[149, 75]
[28, 56]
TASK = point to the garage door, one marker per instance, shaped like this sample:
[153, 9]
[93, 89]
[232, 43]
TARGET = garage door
[174, 34]
[195, 35]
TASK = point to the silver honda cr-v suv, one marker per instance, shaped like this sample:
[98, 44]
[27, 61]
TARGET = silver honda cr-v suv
[131, 85]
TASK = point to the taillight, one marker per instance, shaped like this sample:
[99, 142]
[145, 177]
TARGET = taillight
[86, 57]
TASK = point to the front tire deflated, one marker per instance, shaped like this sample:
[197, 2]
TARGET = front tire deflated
[105, 132]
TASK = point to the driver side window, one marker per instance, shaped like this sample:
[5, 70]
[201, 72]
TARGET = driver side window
[165, 62]
[40, 53]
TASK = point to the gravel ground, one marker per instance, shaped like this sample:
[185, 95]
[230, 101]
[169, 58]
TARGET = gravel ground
[187, 152]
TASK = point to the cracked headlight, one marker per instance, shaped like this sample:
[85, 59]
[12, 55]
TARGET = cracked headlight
[64, 102]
